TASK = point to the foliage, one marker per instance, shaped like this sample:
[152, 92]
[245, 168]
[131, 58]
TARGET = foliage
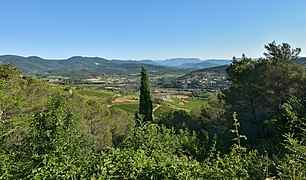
[238, 164]
[259, 87]
[293, 126]
[155, 152]
[282, 52]
[213, 115]
[291, 120]
[179, 119]
[46, 132]
[145, 104]
[57, 142]
[293, 164]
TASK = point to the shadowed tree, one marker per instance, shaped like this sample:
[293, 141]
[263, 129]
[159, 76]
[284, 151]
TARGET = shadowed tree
[145, 106]
[259, 87]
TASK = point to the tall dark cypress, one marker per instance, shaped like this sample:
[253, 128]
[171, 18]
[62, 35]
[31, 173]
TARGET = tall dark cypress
[145, 106]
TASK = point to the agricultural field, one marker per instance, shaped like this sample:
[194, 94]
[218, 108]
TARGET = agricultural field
[104, 95]
[130, 102]
[185, 103]
[96, 93]
[128, 107]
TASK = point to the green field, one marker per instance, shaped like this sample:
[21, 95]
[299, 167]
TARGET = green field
[128, 107]
[97, 93]
[105, 96]
[187, 104]
[195, 103]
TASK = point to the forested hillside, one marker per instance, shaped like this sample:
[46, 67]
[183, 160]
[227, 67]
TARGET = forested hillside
[254, 129]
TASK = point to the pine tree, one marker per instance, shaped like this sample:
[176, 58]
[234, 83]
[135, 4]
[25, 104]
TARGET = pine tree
[259, 87]
[145, 106]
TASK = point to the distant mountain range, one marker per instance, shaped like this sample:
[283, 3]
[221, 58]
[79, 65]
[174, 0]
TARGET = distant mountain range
[79, 66]
[91, 66]
[82, 66]
[188, 63]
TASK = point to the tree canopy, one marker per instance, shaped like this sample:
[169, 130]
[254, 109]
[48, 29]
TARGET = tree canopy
[259, 87]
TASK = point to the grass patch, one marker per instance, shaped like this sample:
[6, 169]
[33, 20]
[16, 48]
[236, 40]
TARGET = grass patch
[187, 104]
[195, 103]
[94, 92]
[128, 107]
[104, 96]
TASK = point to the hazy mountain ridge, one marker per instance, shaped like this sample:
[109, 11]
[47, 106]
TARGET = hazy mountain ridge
[193, 63]
[302, 61]
[206, 64]
[93, 65]
[178, 61]
[88, 66]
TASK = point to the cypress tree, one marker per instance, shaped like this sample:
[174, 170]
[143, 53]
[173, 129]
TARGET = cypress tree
[145, 106]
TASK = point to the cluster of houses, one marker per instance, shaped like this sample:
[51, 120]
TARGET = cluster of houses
[201, 80]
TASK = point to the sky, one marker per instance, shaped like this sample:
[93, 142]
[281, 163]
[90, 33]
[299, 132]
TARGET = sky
[149, 29]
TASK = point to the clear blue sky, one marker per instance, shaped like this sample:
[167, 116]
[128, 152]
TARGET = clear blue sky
[149, 29]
